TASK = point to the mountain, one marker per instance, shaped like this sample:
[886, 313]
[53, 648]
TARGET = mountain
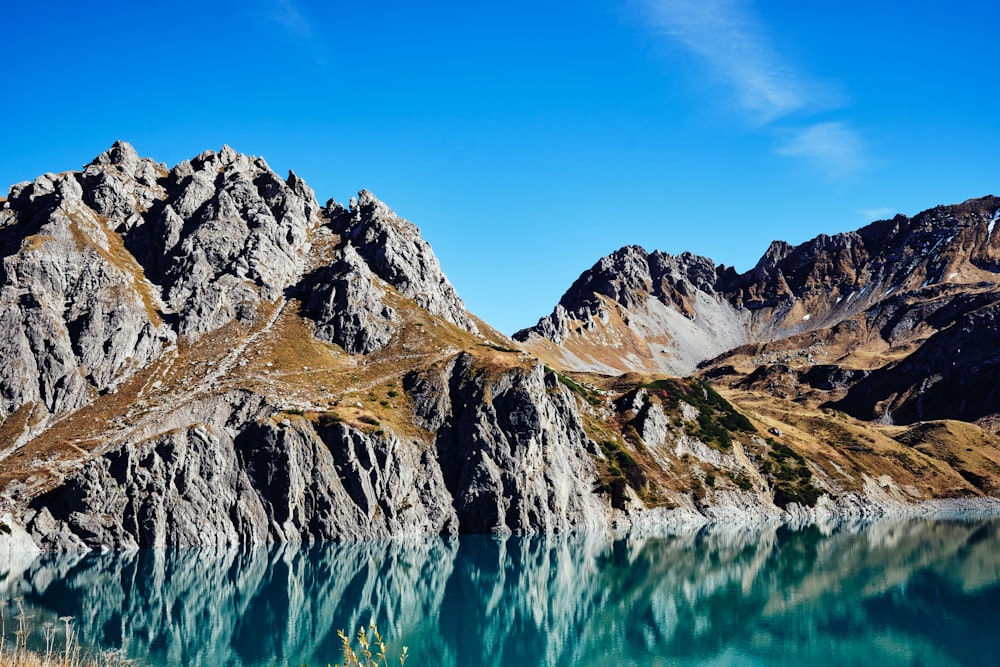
[894, 322]
[204, 354]
[640, 311]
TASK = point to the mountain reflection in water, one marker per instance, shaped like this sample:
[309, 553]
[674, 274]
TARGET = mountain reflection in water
[893, 593]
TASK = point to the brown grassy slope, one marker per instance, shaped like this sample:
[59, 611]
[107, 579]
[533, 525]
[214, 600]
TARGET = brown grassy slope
[971, 451]
[612, 344]
[278, 358]
[936, 460]
[848, 450]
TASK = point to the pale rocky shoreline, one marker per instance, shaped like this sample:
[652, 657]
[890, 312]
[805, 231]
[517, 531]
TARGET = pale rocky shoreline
[849, 510]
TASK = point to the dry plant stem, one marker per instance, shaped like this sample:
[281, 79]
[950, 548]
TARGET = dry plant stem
[368, 639]
[19, 655]
[67, 620]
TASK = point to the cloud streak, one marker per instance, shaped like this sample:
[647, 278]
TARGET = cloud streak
[735, 46]
[833, 147]
[879, 213]
[733, 43]
[287, 14]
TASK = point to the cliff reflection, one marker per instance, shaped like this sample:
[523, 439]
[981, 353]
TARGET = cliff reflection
[914, 592]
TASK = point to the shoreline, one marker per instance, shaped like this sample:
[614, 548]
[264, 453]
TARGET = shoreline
[852, 511]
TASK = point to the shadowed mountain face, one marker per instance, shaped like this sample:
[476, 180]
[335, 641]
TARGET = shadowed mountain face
[905, 304]
[203, 355]
[843, 595]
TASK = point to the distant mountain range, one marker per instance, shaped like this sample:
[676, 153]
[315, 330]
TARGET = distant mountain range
[204, 354]
[895, 322]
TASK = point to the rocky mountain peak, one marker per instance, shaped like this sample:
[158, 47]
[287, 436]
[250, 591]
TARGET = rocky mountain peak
[623, 275]
[394, 250]
[630, 275]
[772, 257]
[103, 270]
[791, 289]
[121, 153]
[661, 312]
[77, 313]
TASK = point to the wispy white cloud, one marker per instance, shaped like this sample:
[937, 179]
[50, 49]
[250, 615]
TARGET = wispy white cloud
[289, 16]
[877, 213]
[735, 45]
[290, 21]
[833, 147]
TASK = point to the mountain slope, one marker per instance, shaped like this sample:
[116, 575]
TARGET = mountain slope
[639, 311]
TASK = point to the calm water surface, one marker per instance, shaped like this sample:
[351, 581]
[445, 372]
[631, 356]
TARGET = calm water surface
[899, 593]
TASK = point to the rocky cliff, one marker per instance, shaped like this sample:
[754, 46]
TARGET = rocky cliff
[204, 355]
[635, 310]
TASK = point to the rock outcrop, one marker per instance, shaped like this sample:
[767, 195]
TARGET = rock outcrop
[346, 304]
[635, 310]
[228, 235]
[509, 455]
[512, 448]
[77, 312]
[396, 253]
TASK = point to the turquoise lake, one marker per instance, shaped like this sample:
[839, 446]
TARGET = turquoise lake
[918, 592]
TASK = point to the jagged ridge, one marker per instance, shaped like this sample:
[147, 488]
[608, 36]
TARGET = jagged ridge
[873, 291]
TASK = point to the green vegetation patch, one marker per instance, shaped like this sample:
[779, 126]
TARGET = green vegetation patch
[785, 463]
[740, 479]
[803, 494]
[584, 392]
[791, 476]
[621, 470]
[717, 418]
[328, 419]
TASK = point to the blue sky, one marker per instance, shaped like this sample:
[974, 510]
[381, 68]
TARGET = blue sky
[529, 139]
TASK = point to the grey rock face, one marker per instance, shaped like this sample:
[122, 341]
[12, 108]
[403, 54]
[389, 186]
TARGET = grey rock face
[629, 276]
[93, 261]
[396, 253]
[512, 449]
[510, 455]
[178, 489]
[347, 306]
[277, 480]
[228, 235]
[76, 312]
[121, 186]
[649, 312]
[396, 483]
